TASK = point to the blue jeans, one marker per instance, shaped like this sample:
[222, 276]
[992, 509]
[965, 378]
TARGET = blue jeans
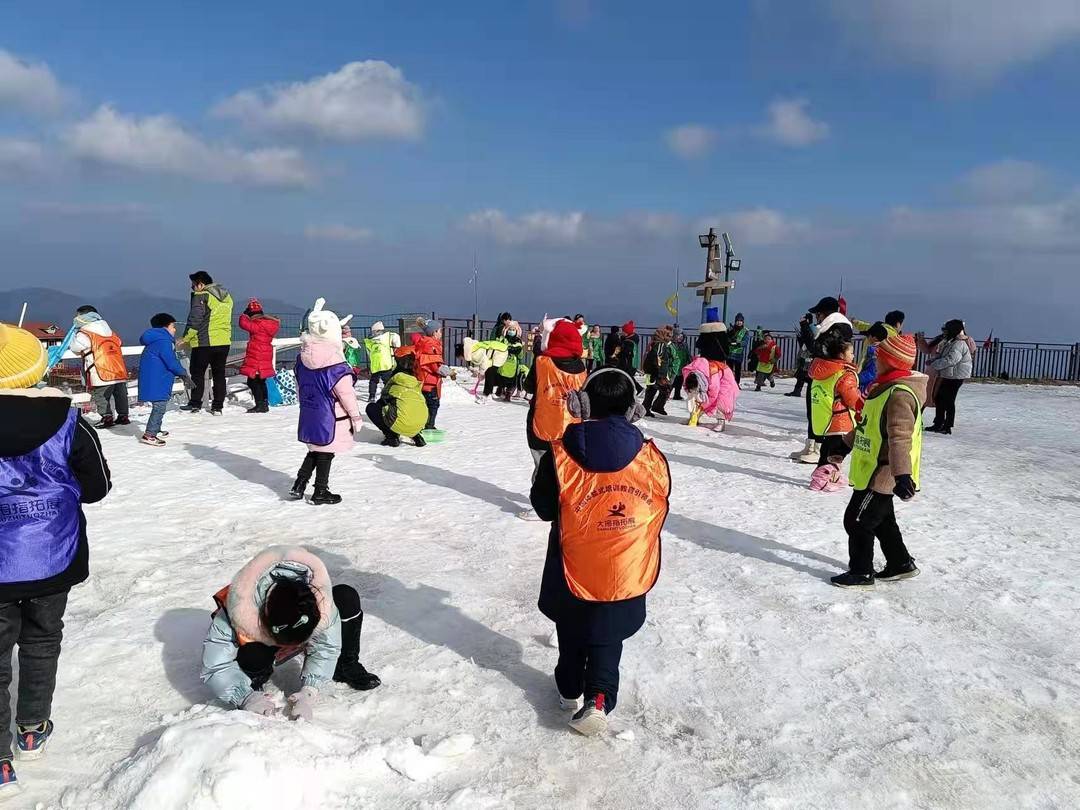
[157, 413]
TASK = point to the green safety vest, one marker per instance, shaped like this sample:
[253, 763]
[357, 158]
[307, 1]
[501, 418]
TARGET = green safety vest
[870, 434]
[822, 397]
[380, 355]
[509, 369]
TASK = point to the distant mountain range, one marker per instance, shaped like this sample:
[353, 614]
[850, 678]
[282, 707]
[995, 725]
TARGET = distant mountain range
[127, 311]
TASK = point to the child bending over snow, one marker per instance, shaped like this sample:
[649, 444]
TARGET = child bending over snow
[279, 605]
[402, 409]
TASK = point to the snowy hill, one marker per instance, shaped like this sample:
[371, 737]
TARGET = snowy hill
[753, 683]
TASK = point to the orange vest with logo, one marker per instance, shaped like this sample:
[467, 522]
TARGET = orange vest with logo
[106, 357]
[550, 416]
[284, 653]
[609, 524]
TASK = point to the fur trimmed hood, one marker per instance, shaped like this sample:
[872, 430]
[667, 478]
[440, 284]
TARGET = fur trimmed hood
[252, 583]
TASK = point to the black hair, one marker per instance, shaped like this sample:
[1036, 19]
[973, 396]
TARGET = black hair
[614, 330]
[291, 612]
[84, 309]
[161, 320]
[878, 331]
[610, 394]
[894, 318]
[831, 344]
[691, 383]
[201, 277]
[953, 328]
[714, 346]
[406, 363]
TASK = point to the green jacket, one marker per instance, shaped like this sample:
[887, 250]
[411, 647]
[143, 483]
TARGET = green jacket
[209, 321]
[680, 358]
[405, 409]
[353, 356]
[594, 346]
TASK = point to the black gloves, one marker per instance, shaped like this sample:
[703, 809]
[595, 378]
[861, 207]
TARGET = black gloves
[905, 488]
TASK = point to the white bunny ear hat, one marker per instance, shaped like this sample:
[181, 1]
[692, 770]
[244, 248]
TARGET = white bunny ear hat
[324, 324]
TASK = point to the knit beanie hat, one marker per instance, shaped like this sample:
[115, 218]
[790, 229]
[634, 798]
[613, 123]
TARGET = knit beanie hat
[897, 351]
[739, 318]
[291, 611]
[629, 328]
[254, 306]
[431, 327]
[22, 358]
[564, 341]
[161, 320]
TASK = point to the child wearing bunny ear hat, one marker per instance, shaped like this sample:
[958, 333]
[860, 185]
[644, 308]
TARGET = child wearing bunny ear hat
[329, 413]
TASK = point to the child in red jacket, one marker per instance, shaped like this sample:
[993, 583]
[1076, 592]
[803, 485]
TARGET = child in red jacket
[835, 402]
[258, 364]
[767, 354]
[430, 367]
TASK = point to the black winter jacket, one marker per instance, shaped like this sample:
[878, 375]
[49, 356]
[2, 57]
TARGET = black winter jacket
[28, 419]
[604, 445]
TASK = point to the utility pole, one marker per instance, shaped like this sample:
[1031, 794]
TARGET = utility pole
[712, 285]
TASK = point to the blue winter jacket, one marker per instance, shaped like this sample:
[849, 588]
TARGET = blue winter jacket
[869, 368]
[603, 445]
[158, 366]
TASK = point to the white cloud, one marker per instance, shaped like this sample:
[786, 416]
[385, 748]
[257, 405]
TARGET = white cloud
[370, 99]
[93, 210]
[28, 86]
[20, 158]
[1006, 181]
[1052, 226]
[539, 227]
[961, 39]
[759, 227]
[159, 144]
[691, 141]
[338, 233]
[790, 124]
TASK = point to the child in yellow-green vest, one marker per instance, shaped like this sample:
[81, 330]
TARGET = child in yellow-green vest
[885, 459]
[380, 349]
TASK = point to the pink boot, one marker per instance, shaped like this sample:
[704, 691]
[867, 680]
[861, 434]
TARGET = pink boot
[820, 477]
[837, 481]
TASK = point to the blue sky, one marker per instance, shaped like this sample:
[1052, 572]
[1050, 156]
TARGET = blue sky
[923, 150]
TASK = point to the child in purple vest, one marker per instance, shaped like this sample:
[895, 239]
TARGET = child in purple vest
[329, 413]
[50, 464]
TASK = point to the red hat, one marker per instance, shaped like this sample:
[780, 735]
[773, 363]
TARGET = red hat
[565, 341]
[897, 351]
[254, 305]
[628, 328]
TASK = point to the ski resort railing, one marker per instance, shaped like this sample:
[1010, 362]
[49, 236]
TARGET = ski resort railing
[994, 359]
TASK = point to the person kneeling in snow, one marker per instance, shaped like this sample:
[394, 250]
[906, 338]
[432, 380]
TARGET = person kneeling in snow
[605, 489]
[402, 409]
[280, 605]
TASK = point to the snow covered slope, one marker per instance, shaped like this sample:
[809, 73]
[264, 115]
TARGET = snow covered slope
[753, 684]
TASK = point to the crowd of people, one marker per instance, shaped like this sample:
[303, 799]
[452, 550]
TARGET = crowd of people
[602, 485]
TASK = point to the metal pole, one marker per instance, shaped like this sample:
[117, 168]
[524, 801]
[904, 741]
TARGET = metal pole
[727, 271]
[22, 315]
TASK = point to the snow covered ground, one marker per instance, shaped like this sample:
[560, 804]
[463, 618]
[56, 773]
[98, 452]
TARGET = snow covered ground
[753, 684]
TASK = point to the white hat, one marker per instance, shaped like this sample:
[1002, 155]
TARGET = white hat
[377, 327]
[711, 327]
[324, 324]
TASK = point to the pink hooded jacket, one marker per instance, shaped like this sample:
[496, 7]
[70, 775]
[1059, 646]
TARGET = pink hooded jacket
[721, 391]
[319, 353]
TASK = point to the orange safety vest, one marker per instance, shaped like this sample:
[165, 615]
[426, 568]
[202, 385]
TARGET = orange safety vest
[283, 654]
[610, 523]
[106, 357]
[550, 416]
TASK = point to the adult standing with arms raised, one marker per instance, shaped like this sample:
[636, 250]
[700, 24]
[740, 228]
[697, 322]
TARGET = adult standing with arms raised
[209, 334]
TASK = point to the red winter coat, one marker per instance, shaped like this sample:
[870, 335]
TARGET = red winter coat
[429, 358]
[259, 359]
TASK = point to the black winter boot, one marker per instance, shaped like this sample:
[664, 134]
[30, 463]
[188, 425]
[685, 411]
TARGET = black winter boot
[349, 669]
[323, 496]
[419, 440]
[298, 487]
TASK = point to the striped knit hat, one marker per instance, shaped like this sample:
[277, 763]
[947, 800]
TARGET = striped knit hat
[22, 358]
[898, 351]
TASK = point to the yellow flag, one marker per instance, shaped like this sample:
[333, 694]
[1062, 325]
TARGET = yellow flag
[672, 305]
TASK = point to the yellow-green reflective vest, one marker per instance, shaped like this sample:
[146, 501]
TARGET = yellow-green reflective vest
[870, 434]
[380, 355]
[822, 396]
[509, 369]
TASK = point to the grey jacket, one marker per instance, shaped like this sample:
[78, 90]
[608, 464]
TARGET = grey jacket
[954, 360]
[247, 594]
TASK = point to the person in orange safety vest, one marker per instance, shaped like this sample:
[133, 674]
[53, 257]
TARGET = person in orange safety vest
[605, 490]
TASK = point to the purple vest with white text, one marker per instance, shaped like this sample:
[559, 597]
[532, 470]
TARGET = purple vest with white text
[39, 509]
[315, 391]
